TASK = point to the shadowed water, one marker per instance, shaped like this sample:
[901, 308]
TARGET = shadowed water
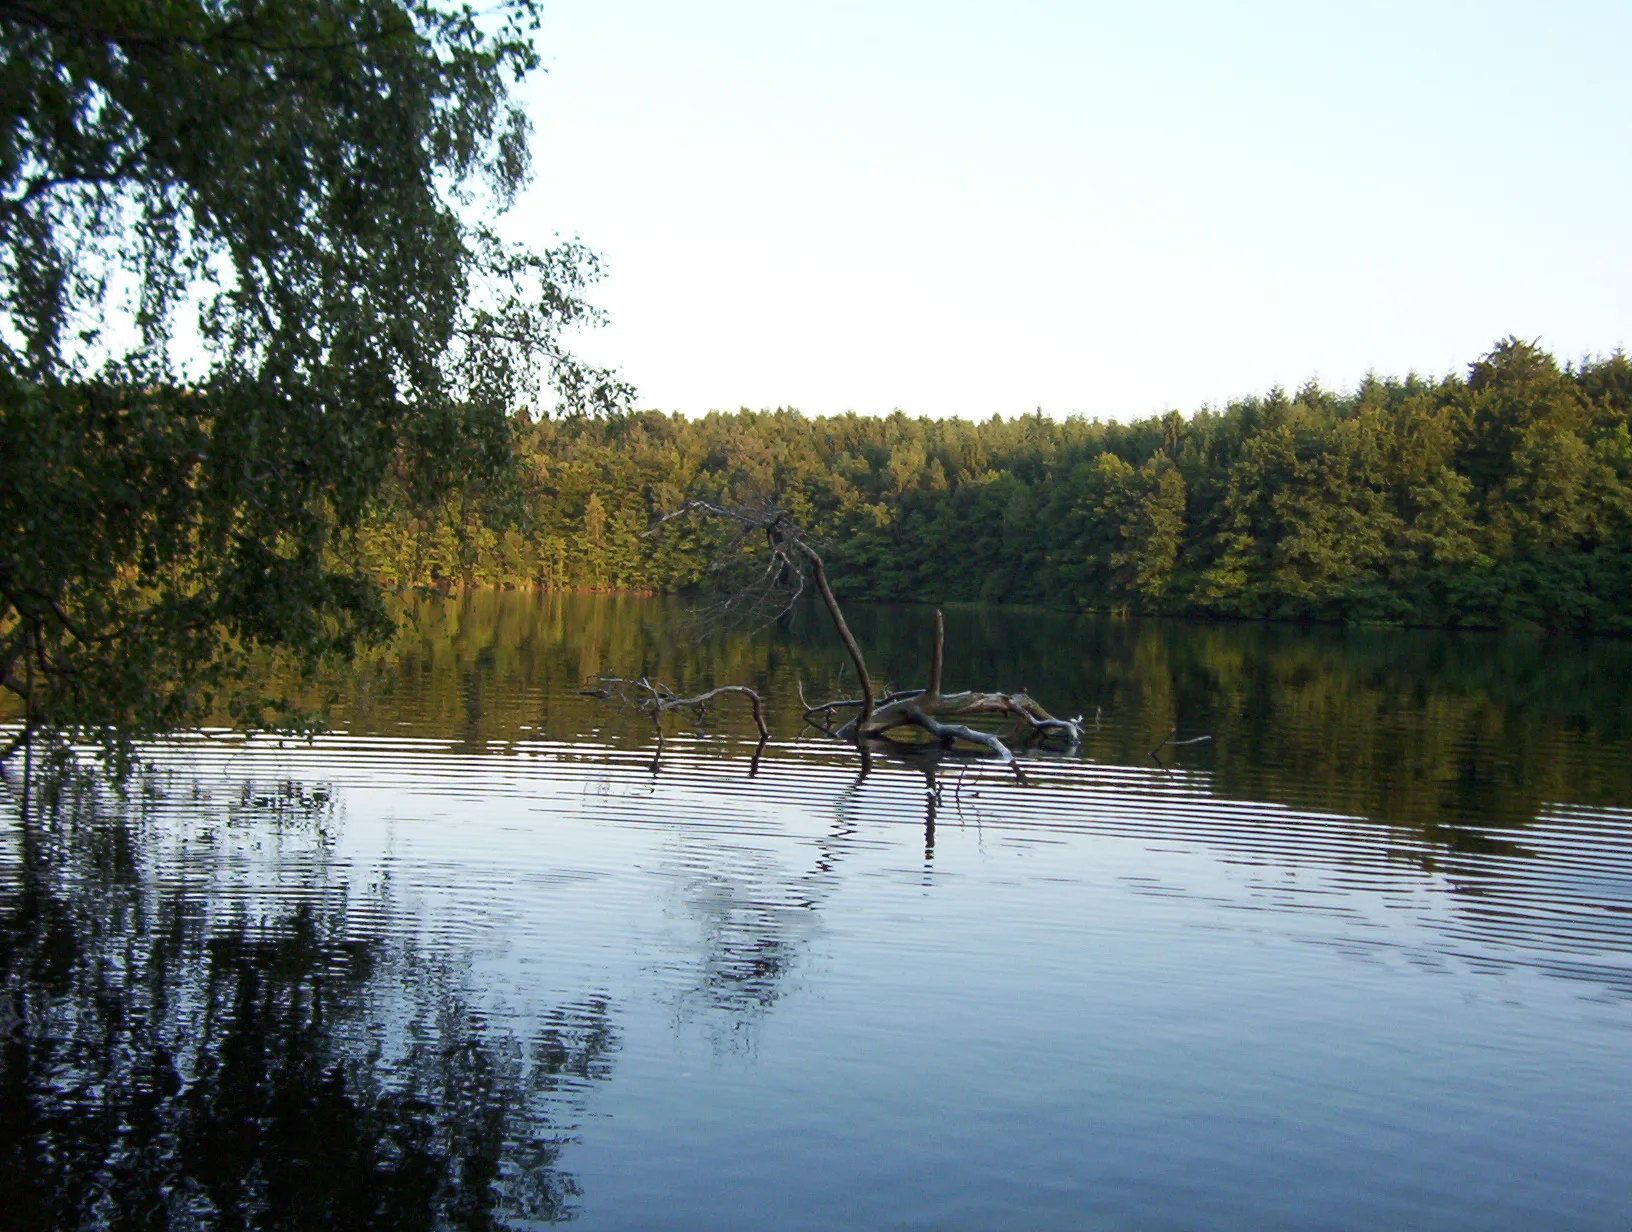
[478, 959]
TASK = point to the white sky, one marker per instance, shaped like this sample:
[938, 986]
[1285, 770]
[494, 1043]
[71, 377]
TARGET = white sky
[978, 208]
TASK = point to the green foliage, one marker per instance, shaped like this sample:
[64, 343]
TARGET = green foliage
[247, 276]
[1503, 499]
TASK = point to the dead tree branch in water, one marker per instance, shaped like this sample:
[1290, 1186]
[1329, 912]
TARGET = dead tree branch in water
[794, 563]
[1169, 742]
[940, 713]
[645, 697]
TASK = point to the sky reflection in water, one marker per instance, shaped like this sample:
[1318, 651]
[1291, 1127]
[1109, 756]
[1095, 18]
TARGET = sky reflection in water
[1363, 961]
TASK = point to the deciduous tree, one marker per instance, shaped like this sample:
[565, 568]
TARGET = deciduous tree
[248, 270]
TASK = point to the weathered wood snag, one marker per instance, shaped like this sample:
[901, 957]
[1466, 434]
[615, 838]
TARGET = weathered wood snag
[657, 699]
[939, 713]
[793, 559]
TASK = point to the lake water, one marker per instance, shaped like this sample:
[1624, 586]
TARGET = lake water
[476, 959]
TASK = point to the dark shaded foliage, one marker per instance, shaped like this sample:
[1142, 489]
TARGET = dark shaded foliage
[247, 269]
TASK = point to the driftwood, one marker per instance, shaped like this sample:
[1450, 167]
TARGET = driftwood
[657, 699]
[794, 561]
[938, 713]
[1169, 742]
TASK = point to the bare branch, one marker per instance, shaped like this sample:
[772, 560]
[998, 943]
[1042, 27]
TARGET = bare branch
[660, 699]
[1169, 742]
[793, 557]
[935, 654]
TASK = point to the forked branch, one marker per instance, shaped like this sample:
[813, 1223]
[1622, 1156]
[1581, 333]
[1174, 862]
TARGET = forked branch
[793, 560]
[658, 699]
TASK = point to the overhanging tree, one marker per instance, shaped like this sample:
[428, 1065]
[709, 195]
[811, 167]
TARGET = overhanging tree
[248, 269]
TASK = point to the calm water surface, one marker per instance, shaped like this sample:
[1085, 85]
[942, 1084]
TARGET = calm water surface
[476, 960]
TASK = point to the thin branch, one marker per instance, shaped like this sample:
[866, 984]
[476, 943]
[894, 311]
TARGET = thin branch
[781, 533]
[845, 636]
[1169, 742]
[935, 655]
[660, 699]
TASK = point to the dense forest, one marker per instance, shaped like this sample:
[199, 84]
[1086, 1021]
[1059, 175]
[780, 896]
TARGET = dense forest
[1497, 499]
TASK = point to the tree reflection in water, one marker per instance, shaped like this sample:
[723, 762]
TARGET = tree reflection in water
[171, 1062]
[752, 917]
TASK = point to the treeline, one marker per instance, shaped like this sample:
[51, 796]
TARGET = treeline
[1502, 498]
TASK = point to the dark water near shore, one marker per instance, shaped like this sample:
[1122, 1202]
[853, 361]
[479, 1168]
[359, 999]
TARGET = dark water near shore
[474, 960]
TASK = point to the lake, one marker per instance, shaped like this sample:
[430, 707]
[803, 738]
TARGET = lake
[480, 957]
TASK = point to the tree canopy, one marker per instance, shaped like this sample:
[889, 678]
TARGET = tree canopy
[1499, 498]
[248, 269]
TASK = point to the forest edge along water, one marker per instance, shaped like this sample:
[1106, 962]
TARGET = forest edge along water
[1502, 498]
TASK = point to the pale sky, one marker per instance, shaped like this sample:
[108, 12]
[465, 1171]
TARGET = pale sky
[978, 208]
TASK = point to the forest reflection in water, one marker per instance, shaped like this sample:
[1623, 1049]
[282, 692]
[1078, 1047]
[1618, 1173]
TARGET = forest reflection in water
[1455, 736]
[418, 973]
